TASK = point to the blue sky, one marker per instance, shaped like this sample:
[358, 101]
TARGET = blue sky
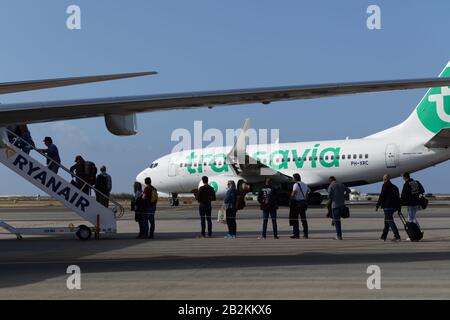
[208, 45]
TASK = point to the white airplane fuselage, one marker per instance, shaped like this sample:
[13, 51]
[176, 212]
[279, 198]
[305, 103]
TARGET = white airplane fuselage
[354, 162]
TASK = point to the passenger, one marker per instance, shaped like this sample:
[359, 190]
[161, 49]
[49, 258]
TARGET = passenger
[103, 183]
[230, 201]
[90, 171]
[78, 169]
[150, 197]
[24, 142]
[204, 196]
[138, 208]
[410, 198]
[389, 201]
[268, 198]
[11, 137]
[298, 206]
[337, 192]
[52, 153]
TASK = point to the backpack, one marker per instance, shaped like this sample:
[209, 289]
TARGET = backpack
[90, 171]
[154, 198]
[240, 202]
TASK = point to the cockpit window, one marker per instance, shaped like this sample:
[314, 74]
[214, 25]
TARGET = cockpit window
[153, 165]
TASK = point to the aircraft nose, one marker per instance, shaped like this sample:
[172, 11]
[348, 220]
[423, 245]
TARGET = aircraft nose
[141, 176]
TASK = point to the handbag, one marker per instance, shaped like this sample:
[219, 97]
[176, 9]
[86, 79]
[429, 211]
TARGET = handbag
[423, 202]
[345, 212]
[221, 217]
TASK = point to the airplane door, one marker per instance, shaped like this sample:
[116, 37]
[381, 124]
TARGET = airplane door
[173, 169]
[392, 156]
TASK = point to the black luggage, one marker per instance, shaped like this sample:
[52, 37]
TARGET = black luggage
[412, 229]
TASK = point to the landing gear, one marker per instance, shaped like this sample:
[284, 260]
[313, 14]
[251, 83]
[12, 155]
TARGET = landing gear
[315, 199]
[174, 201]
[84, 233]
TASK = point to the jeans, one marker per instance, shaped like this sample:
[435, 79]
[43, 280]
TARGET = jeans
[205, 216]
[146, 219]
[140, 221]
[273, 215]
[412, 211]
[389, 223]
[337, 221]
[296, 225]
[231, 221]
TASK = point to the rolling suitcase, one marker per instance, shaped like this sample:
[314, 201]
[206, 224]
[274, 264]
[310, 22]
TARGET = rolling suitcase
[412, 229]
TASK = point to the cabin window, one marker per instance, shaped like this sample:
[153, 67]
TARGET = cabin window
[310, 158]
[355, 156]
[367, 156]
[360, 156]
[326, 157]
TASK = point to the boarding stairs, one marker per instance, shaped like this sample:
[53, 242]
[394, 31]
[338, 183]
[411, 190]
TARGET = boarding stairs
[103, 220]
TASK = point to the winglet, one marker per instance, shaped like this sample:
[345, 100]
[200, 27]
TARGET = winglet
[238, 153]
[13, 87]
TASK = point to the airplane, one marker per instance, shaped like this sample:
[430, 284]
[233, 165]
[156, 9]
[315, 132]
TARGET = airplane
[419, 142]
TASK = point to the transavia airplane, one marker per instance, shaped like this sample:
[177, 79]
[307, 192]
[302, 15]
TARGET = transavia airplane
[421, 141]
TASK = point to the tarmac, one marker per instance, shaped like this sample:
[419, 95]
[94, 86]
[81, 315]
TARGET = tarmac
[176, 265]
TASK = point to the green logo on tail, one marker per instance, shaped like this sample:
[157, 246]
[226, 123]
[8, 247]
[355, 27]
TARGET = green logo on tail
[434, 109]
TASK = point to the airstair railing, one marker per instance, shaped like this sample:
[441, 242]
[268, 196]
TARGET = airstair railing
[118, 209]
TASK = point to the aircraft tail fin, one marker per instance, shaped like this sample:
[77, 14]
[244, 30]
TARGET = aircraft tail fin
[431, 115]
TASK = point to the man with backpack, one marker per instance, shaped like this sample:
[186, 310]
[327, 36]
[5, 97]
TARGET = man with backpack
[268, 199]
[150, 197]
[411, 192]
[337, 193]
[204, 196]
[298, 207]
[389, 201]
[103, 183]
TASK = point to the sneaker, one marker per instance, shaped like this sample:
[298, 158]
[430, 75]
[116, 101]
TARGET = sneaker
[408, 239]
[228, 236]
[276, 237]
[382, 239]
[294, 237]
[233, 237]
[305, 237]
[337, 238]
[261, 238]
[201, 237]
[396, 240]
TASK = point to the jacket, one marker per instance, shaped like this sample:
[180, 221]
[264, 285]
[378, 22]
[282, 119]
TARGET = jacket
[389, 196]
[411, 192]
[268, 198]
[230, 199]
[205, 195]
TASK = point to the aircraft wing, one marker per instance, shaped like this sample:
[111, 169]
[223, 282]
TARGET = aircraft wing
[440, 140]
[74, 109]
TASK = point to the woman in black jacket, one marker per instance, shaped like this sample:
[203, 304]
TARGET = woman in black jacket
[389, 201]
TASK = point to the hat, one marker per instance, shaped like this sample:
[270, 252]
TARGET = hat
[48, 139]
